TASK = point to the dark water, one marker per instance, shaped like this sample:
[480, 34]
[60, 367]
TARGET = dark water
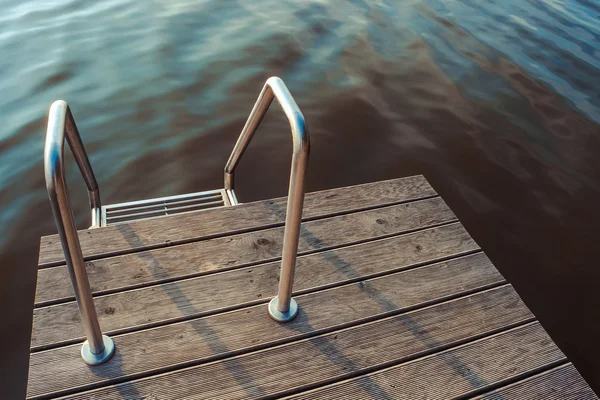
[496, 102]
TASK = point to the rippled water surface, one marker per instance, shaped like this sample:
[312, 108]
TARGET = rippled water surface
[496, 102]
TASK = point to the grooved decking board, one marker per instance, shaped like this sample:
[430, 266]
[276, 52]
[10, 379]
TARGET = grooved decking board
[211, 293]
[396, 301]
[162, 232]
[560, 383]
[453, 373]
[203, 339]
[317, 361]
[117, 273]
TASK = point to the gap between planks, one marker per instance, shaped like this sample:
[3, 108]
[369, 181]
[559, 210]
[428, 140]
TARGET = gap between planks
[114, 274]
[180, 229]
[441, 325]
[391, 356]
[372, 299]
[186, 299]
[455, 373]
[229, 333]
[560, 383]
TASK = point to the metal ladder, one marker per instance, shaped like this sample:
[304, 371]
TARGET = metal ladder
[98, 348]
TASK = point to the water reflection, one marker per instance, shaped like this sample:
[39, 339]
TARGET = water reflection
[494, 101]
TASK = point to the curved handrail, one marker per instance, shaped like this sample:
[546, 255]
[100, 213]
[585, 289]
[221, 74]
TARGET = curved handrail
[282, 307]
[98, 348]
[62, 123]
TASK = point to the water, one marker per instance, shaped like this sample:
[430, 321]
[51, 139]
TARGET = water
[496, 102]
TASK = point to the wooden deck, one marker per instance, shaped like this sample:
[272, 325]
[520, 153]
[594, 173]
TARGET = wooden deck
[396, 301]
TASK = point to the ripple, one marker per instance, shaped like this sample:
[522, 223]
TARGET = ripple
[495, 101]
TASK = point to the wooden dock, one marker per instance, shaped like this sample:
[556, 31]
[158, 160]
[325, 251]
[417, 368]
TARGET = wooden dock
[396, 301]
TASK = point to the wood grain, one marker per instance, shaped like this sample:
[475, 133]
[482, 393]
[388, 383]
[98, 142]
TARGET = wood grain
[396, 301]
[200, 341]
[338, 355]
[163, 232]
[204, 257]
[452, 373]
[561, 383]
[219, 292]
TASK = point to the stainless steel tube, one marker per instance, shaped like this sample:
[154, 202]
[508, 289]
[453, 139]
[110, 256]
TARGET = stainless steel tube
[98, 348]
[282, 307]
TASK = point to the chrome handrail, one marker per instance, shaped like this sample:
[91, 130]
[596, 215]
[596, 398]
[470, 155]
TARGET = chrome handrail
[97, 348]
[283, 307]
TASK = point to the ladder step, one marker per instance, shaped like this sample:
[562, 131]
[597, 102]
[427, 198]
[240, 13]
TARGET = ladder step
[160, 207]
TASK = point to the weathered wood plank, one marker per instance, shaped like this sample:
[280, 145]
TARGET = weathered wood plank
[182, 344]
[338, 355]
[197, 258]
[453, 373]
[250, 327]
[218, 292]
[396, 301]
[561, 383]
[224, 221]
